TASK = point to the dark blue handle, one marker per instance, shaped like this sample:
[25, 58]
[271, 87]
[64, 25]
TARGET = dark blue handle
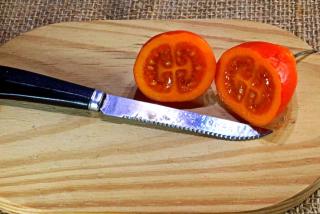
[24, 85]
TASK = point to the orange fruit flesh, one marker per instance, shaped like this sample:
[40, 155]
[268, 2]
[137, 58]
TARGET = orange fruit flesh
[249, 86]
[175, 67]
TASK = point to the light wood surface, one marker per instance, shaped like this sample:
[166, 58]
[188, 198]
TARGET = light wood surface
[55, 159]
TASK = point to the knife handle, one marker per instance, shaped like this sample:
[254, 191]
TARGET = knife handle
[24, 85]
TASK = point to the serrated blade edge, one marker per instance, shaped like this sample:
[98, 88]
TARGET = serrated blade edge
[179, 119]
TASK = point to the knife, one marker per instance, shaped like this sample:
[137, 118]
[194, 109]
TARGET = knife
[19, 84]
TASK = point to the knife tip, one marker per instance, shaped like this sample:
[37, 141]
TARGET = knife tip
[263, 131]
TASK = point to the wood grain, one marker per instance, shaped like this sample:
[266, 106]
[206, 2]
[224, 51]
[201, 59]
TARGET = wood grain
[55, 159]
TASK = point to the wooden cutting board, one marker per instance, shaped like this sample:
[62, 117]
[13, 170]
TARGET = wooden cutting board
[55, 159]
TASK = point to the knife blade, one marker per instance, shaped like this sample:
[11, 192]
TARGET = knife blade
[25, 85]
[188, 121]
